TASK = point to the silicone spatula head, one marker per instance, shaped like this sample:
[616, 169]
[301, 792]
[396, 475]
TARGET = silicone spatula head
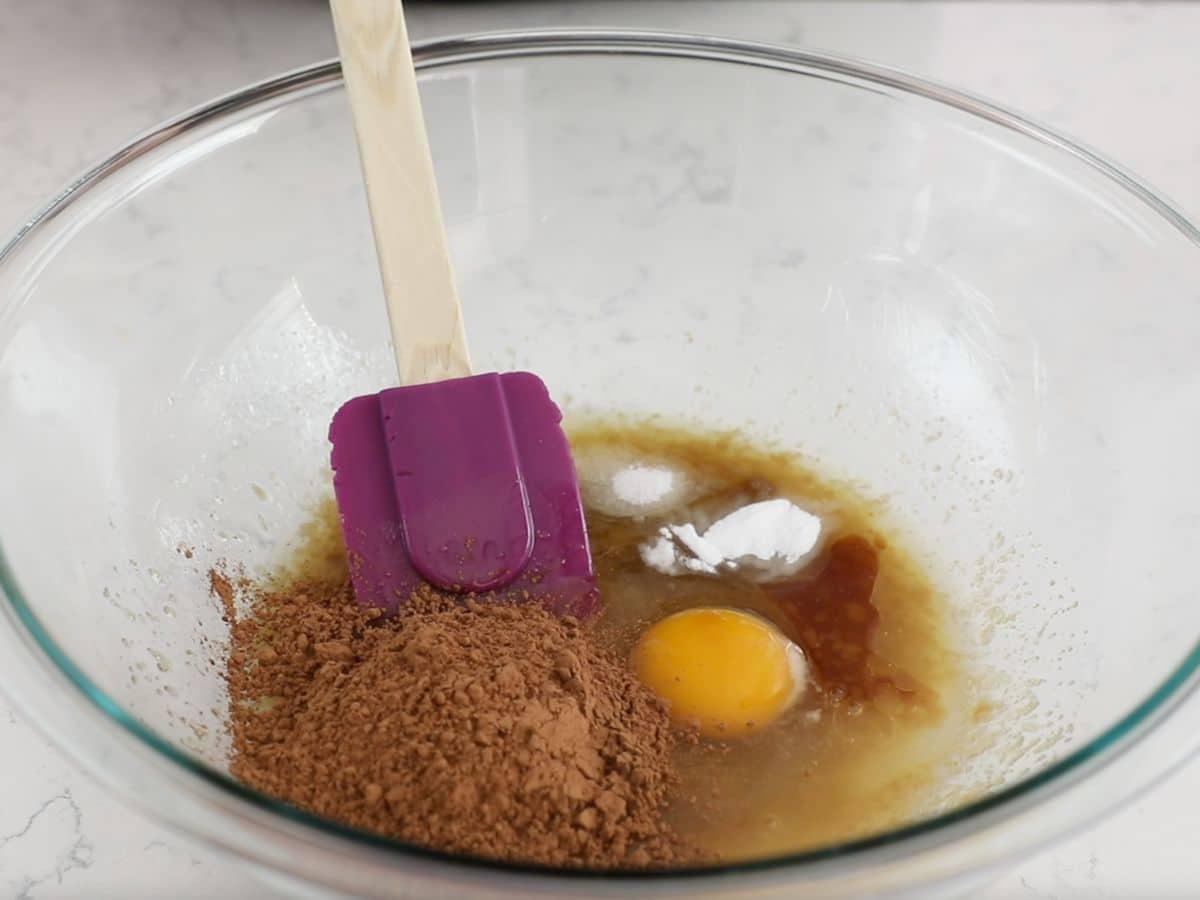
[462, 481]
[466, 484]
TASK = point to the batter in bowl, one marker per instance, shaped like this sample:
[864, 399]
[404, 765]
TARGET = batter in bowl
[770, 673]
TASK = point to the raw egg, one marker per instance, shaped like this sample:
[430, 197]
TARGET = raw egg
[722, 671]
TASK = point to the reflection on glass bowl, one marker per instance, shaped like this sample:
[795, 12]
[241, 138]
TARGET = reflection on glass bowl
[984, 326]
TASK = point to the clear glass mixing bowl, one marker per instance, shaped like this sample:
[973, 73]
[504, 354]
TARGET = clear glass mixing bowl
[983, 325]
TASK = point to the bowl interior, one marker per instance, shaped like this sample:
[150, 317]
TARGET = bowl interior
[985, 333]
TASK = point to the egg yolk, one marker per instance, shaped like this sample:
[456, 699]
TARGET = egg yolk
[722, 671]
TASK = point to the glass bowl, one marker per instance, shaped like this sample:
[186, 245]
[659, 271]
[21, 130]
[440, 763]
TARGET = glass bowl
[988, 329]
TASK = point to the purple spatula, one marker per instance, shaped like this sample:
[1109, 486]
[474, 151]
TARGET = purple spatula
[464, 482]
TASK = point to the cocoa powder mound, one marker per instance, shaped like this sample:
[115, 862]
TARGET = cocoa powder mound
[489, 728]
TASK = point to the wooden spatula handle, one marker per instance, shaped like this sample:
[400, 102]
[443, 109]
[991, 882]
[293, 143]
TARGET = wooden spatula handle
[410, 239]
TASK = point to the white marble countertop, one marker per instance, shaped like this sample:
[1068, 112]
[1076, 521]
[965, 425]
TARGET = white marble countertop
[78, 78]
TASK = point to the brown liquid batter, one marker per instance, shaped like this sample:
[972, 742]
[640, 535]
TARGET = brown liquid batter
[862, 749]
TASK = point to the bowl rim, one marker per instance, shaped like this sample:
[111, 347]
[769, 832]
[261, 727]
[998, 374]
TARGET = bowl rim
[1101, 750]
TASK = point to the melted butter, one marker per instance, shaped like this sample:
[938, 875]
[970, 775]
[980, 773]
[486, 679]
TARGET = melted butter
[861, 752]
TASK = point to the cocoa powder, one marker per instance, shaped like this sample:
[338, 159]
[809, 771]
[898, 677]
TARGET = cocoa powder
[488, 728]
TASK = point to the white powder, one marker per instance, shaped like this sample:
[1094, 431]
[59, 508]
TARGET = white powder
[642, 485]
[773, 529]
[771, 539]
[617, 484]
[700, 546]
[659, 554]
